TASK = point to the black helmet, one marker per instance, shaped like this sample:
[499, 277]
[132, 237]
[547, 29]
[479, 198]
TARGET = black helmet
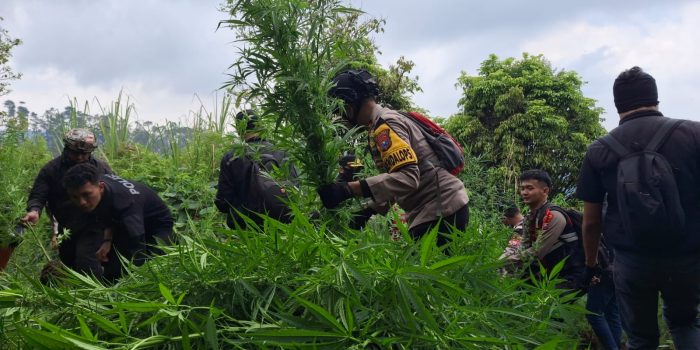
[353, 85]
[250, 117]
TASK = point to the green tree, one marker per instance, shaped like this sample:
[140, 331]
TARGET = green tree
[6, 73]
[519, 114]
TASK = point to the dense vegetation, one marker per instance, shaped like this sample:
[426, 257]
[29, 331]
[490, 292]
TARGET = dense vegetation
[312, 283]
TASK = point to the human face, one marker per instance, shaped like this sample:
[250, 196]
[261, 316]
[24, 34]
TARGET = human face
[510, 222]
[87, 196]
[77, 157]
[533, 192]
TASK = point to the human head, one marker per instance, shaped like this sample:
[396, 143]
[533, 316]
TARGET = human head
[82, 182]
[634, 89]
[250, 118]
[535, 186]
[78, 144]
[511, 216]
[355, 88]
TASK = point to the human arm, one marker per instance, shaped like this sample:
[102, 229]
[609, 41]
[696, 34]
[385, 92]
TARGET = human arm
[106, 245]
[226, 190]
[38, 197]
[553, 225]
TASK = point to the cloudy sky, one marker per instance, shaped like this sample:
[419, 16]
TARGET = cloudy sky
[167, 56]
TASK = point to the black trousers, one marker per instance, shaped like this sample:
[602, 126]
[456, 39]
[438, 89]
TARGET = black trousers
[457, 221]
[78, 251]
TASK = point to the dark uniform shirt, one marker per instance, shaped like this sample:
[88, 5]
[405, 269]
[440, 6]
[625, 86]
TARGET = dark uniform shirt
[48, 192]
[134, 211]
[238, 174]
[598, 177]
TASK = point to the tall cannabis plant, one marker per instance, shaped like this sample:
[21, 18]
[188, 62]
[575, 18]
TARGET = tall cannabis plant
[288, 55]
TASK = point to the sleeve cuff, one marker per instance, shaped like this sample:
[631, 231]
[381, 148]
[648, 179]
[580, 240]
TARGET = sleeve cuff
[366, 192]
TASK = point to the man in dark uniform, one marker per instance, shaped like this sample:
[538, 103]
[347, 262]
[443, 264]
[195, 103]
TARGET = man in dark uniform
[78, 251]
[430, 195]
[664, 260]
[242, 188]
[132, 217]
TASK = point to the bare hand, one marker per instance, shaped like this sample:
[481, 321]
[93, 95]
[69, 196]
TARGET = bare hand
[31, 218]
[101, 253]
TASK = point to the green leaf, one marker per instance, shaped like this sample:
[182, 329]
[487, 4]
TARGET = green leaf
[322, 314]
[166, 293]
[210, 333]
[429, 243]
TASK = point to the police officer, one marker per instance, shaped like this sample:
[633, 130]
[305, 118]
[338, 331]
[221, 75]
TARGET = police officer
[242, 189]
[131, 216]
[430, 195]
[78, 250]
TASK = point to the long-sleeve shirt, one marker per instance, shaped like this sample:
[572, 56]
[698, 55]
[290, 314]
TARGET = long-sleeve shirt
[48, 192]
[399, 148]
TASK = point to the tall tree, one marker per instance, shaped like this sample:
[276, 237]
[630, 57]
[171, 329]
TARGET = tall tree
[518, 114]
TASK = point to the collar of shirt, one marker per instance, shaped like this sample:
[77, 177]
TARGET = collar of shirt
[641, 114]
[376, 113]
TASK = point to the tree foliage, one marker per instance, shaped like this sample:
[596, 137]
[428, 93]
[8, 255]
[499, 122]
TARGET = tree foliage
[6, 45]
[519, 114]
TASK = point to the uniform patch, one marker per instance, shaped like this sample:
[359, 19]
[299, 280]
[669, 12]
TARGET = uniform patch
[383, 140]
[394, 151]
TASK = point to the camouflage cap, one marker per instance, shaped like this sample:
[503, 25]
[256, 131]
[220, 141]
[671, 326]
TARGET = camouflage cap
[80, 140]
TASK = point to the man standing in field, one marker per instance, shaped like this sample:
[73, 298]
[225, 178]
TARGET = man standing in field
[78, 251]
[131, 217]
[430, 195]
[649, 168]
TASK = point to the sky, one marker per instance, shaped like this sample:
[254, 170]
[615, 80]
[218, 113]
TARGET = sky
[169, 59]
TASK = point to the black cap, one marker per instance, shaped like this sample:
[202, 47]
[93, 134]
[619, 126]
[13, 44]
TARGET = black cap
[634, 88]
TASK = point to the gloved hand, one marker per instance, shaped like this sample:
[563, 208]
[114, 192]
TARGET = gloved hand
[360, 218]
[591, 276]
[334, 194]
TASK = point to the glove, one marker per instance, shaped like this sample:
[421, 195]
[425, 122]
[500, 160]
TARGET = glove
[591, 276]
[360, 218]
[334, 194]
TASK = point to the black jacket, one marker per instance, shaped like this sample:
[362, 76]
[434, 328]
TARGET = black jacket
[239, 183]
[48, 192]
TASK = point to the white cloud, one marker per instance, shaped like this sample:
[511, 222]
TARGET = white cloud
[662, 44]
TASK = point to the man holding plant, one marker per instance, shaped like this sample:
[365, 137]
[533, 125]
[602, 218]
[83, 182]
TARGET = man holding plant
[78, 250]
[430, 195]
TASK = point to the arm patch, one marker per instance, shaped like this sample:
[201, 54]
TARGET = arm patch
[394, 151]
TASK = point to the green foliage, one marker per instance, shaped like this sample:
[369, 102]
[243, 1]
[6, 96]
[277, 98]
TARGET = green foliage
[285, 69]
[6, 74]
[20, 161]
[523, 114]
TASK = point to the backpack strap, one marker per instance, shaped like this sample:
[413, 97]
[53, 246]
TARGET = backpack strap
[614, 145]
[662, 134]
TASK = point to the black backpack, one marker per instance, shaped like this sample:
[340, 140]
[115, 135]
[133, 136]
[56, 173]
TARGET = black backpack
[647, 195]
[574, 240]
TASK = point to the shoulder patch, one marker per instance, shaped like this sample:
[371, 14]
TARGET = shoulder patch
[394, 151]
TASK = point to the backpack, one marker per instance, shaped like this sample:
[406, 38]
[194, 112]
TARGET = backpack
[447, 149]
[647, 195]
[574, 240]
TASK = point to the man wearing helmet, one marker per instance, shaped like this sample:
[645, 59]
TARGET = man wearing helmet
[430, 195]
[243, 188]
[78, 251]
